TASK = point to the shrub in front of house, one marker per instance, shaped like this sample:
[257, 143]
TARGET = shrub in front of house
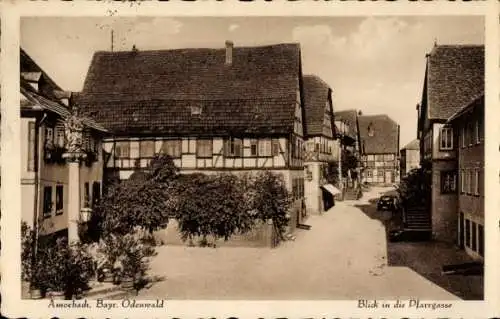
[211, 206]
[59, 267]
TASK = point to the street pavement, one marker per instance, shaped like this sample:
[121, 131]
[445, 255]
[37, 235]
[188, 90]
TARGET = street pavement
[342, 256]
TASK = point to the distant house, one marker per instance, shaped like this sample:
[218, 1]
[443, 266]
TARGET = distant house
[346, 123]
[321, 145]
[409, 157]
[45, 175]
[469, 125]
[234, 109]
[454, 76]
[379, 148]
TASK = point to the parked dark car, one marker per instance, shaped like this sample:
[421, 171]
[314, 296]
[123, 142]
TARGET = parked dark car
[399, 235]
[387, 202]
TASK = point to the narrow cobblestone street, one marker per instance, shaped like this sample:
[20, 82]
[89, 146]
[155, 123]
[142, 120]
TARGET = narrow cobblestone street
[342, 256]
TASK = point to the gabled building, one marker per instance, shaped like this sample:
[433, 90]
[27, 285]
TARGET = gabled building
[468, 122]
[379, 136]
[346, 124]
[234, 109]
[45, 177]
[321, 145]
[409, 157]
[454, 76]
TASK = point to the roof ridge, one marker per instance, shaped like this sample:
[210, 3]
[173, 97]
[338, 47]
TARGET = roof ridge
[296, 44]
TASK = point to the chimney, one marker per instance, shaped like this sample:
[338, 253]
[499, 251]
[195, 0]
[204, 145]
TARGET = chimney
[229, 52]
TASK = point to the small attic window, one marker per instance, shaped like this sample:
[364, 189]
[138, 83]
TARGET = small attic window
[371, 131]
[195, 110]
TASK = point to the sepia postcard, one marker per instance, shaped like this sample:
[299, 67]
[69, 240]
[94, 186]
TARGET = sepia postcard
[253, 160]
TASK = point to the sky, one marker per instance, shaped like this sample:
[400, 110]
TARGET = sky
[372, 64]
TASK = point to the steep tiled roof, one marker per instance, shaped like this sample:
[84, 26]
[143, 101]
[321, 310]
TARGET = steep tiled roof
[379, 134]
[32, 71]
[413, 145]
[350, 118]
[477, 102]
[316, 96]
[144, 92]
[455, 77]
[37, 101]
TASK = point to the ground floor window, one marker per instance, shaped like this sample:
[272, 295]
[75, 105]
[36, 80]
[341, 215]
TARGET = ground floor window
[467, 233]
[474, 236]
[47, 201]
[59, 199]
[480, 240]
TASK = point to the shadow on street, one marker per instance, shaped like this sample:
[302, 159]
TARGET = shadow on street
[426, 258]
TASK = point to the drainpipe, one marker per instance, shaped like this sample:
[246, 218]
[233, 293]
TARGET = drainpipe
[38, 163]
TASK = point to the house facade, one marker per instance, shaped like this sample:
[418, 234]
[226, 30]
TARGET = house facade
[454, 75]
[45, 173]
[236, 109]
[347, 132]
[380, 149]
[469, 125]
[321, 145]
[409, 157]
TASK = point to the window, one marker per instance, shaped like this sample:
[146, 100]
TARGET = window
[49, 136]
[389, 157]
[480, 240]
[204, 148]
[47, 201]
[96, 192]
[462, 181]
[480, 128]
[446, 138]
[195, 110]
[316, 148]
[448, 182]
[265, 148]
[122, 149]
[59, 135]
[464, 132]
[474, 237]
[234, 147]
[31, 146]
[369, 173]
[470, 133]
[172, 148]
[253, 147]
[370, 157]
[146, 149]
[477, 135]
[476, 182]
[86, 141]
[276, 147]
[59, 199]
[379, 158]
[467, 233]
[86, 195]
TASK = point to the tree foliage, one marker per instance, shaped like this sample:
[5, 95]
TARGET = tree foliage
[143, 200]
[411, 188]
[212, 206]
[271, 199]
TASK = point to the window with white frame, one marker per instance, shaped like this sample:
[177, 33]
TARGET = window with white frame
[446, 138]
[448, 182]
[265, 147]
[204, 148]
[172, 148]
[234, 147]
[369, 173]
[122, 149]
[462, 181]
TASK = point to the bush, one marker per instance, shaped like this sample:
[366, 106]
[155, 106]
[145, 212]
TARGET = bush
[129, 254]
[213, 206]
[58, 266]
[272, 200]
[145, 200]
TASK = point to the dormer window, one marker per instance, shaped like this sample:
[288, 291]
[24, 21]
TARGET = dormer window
[195, 110]
[371, 131]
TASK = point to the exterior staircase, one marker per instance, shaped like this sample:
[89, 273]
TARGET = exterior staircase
[417, 219]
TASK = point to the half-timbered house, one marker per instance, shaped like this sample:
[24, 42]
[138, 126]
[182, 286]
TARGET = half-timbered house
[379, 148]
[454, 76]
[235, 109]
[322, 147]
[45, 178]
